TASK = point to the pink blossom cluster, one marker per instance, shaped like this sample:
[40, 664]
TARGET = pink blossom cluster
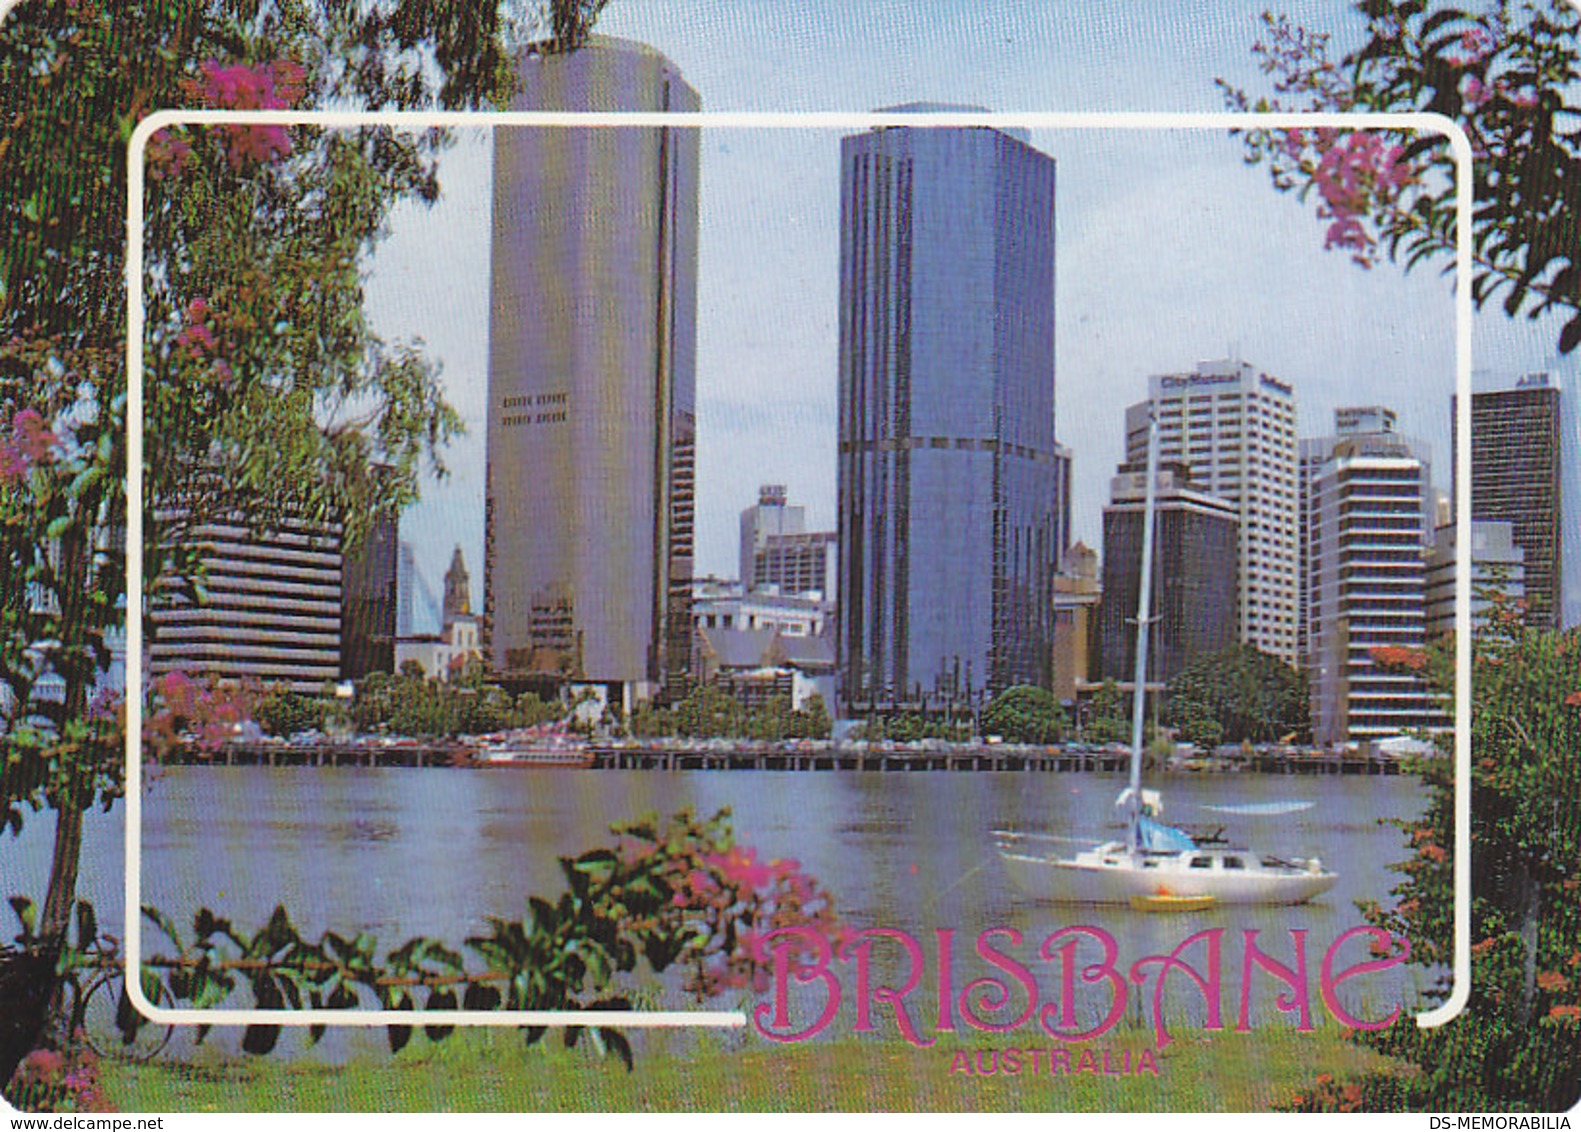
[242, 86]
[198, 341]
[208, 711]
[1478, 43]
[30, 444]
[1476, 92]
[166, 154]
[63, 1082]
[1356, 174]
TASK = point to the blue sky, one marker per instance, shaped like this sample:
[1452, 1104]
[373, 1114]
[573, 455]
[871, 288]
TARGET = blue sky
[1170, 249]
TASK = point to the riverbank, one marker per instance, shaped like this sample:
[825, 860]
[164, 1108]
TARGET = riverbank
[793, 755]
[489, 1070]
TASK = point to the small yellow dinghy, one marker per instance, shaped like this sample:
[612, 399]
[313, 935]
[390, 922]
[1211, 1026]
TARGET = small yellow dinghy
[1169, 902]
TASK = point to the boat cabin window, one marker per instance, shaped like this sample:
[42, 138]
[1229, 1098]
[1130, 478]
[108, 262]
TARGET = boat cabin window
[1233, 863]
[1150, 864]
[1201, 863]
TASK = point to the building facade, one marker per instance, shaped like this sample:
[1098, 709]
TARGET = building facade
[1498, 567]
[369, 602]
[1195, 574]
[1370, 500]
[1077, 594]
[270, 607]
[1234, 427]
[592, 378]
[779, 553]
[1517, 477]
[947, 462]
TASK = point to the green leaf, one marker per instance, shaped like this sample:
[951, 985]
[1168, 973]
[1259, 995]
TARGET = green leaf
[27, 915]
[615, 1042]
[441, 998]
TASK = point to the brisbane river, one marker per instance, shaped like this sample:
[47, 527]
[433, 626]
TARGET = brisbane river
[399, 852]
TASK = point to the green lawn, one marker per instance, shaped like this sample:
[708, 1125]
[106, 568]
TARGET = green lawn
[489, 1070]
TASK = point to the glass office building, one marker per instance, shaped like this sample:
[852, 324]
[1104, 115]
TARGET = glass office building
[948, 494]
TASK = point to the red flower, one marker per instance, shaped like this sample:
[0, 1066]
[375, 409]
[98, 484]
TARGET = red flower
[1573, 699]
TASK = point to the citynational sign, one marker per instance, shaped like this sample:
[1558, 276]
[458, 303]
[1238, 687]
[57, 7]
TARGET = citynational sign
[1194, 380]
[1185, 380]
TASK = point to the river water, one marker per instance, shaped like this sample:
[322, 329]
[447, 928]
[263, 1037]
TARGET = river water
[401, 852]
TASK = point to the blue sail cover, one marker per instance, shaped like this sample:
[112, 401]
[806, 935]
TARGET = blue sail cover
[1160, 838]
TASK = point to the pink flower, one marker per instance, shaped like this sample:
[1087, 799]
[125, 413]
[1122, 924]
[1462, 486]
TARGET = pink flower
[1474, 91]
[166, 155]
[199, 339]
[1479, 42]
[45, 1062]
[240, 86]
[31, 438]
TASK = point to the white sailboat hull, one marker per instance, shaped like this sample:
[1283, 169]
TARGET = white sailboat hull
[1109, 875]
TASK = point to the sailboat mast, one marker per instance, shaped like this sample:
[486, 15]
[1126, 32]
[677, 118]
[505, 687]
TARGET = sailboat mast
[1144, 609]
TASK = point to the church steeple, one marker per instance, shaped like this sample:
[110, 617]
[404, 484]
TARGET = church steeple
[458, 590]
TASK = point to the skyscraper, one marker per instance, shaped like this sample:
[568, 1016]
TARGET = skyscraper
[591, 417]
[1194, 574]
[1235, 428]
[1369, 507]
[1517, 472]
[947, 481]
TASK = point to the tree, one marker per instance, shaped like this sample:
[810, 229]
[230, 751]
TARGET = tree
[1107, 721]
[285, 713]
[1517, 1044]
[1195, 723]
[267, 391]
[1507, 75]
[1251, 695]
[1025, 714]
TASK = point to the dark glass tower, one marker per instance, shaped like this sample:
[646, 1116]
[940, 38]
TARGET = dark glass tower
[948, 494]
[1517, 467]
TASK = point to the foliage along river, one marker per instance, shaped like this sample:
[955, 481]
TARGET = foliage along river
[401, 852]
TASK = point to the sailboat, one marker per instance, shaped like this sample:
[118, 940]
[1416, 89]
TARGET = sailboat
[1158, 867]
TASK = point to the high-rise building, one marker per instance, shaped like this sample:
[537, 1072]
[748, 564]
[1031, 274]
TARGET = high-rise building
[269, 609]
[1517, 476]
[592, 404]
[1314, 455]
[1370, 502]
[779, 553]
[1234, 427]
[1076, 602]
[405, 589]
[947, 502]
[369, 600]
[1497, 568]
[1194, 574]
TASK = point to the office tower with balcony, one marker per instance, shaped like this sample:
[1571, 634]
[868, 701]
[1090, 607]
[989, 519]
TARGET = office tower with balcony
[1370, 503]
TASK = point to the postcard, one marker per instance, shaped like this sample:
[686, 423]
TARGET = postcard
[717, 556]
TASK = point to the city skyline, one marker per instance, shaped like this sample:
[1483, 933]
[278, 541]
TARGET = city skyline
[1171, 252]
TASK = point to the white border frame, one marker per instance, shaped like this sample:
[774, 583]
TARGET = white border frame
[1460, 146]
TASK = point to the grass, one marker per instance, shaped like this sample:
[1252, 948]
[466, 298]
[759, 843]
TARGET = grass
[490, 1070]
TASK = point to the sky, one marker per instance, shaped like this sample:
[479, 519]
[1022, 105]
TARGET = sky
[1169, 249]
